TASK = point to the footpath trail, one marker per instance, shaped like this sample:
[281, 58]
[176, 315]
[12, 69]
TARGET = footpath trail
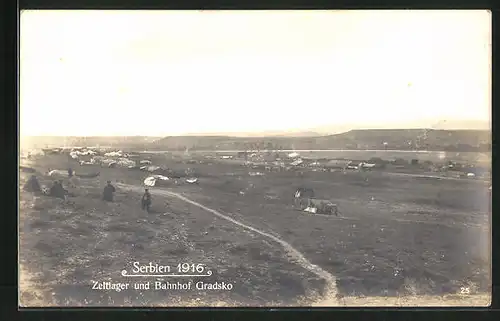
[294, 254]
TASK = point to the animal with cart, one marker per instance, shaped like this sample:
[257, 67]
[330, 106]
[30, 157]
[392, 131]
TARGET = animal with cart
[305, 201]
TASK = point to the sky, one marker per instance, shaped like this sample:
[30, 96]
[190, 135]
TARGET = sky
[158, 73]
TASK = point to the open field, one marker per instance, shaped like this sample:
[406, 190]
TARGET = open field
[414, 241]
[433, 156]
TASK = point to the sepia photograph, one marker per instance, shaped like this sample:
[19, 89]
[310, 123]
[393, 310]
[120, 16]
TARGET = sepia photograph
[204, 158]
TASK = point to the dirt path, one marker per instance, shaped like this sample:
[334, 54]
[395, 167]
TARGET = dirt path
[294, 254]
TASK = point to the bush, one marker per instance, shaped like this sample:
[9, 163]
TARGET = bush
[376, 160]
[399, 161]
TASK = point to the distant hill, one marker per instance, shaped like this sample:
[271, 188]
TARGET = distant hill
[342, 128]
[418, 124]
[299, 134]
[72, 141]
[402, 139]
[293, 133]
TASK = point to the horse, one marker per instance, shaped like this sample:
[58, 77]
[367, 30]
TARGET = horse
[302, 194]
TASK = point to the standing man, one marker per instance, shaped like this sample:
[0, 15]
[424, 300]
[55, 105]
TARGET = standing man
[32, 185]
[70, 172]
[146, 201]
[108, 192]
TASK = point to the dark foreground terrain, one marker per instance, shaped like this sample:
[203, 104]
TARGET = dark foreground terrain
[397, 237]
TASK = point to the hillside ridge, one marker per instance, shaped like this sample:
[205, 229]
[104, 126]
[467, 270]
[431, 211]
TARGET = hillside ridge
[404, 139]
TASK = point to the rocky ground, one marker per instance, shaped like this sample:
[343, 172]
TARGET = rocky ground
[396, 238]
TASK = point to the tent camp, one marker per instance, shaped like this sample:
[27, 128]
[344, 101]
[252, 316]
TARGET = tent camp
[338, 163]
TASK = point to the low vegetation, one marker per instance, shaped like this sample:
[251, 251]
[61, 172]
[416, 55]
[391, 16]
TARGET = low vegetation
[410, 240]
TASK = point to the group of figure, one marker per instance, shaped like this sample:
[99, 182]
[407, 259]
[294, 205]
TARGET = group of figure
[109, 191]
[57, 190]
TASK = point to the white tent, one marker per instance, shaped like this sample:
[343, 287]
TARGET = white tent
[114, 154]
[59, 173]
[192, 180]
[155, 179]
[297, 162]
[124, 162]
[151, 168]
[367, 165]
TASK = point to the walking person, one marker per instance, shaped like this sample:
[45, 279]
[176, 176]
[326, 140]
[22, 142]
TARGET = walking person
[108, 192]
[146, 201]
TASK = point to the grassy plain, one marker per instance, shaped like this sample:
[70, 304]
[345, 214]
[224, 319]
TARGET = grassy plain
[399, 240]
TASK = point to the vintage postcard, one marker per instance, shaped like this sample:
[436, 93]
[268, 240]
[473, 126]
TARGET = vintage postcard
[255, 158]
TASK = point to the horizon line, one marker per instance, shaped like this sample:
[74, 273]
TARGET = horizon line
[283, 135]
